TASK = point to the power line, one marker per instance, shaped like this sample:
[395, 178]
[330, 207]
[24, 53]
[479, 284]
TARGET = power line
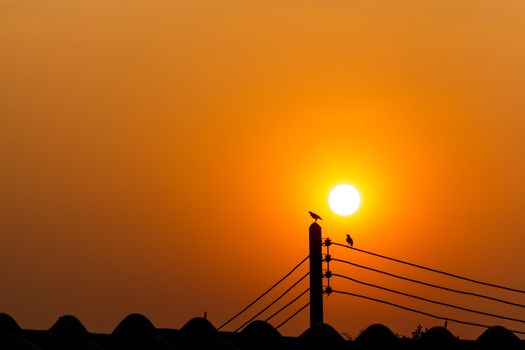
[285, 306]
[432, 270]
[418, 311]
[430, 284]
[430, 300]
[263, 294]
[292, 316]
[272, 303]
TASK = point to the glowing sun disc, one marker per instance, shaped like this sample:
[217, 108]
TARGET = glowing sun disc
[344, 200]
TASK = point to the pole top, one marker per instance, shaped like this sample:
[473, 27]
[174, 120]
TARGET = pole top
[315, 226]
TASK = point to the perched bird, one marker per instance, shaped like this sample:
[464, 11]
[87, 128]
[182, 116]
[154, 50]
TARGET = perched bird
[315, 216]
[349, 240]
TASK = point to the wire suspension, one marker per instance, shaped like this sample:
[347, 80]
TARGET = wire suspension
[263, 294]
[418, 311]
[429, 300]
[285, 306]
[292, 316]
[432, 270]
[272, 303]
[430, 284]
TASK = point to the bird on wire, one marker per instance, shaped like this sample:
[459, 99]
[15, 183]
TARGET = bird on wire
[349, 240]
[315, 216]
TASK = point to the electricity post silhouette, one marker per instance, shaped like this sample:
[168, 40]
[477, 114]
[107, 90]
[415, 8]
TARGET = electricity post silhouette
[316, 275]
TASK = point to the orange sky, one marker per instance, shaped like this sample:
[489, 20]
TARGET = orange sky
[160, 157]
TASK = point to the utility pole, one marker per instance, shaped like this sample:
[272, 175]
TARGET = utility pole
[316, 275]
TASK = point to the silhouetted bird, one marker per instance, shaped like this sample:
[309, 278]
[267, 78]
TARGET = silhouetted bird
[315, 216]
[349, 240]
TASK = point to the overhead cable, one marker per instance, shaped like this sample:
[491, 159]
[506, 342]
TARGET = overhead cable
[430, 300]
[292, 316]
[418, 311]
[272, 303]
[430, 284]
[287, 305]
[263, 294]
[432, 270]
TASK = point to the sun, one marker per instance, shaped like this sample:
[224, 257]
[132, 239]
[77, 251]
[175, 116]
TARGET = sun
[344, 200]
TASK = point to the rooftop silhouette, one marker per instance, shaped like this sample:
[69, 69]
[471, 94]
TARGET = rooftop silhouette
[137, 332]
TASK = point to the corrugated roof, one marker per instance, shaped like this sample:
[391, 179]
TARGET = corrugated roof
[136, 332]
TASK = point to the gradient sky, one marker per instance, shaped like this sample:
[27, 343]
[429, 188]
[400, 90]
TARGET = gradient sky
[161, 156]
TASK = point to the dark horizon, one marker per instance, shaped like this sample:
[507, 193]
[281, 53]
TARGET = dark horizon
[137, 332]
